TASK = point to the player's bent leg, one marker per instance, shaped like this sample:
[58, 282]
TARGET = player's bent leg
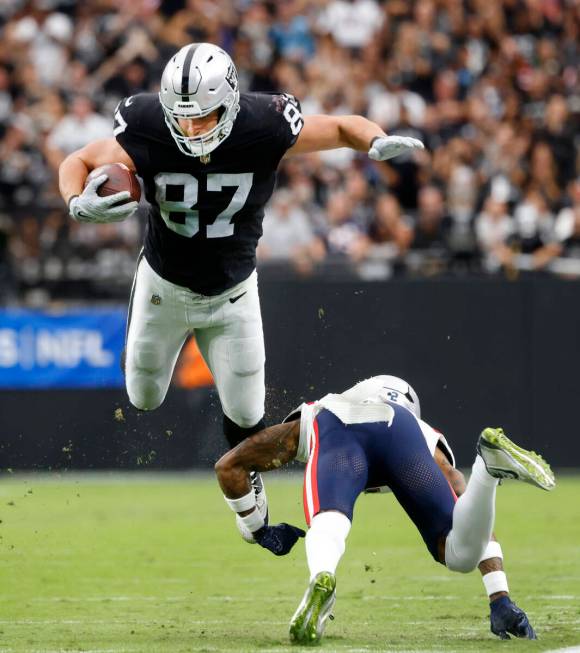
[143, 376]
[234, 351]
[234, 435]
[473, 517]
[326, 541]
[407, 466]
[325, 545]
[155, 335]
[335, 475]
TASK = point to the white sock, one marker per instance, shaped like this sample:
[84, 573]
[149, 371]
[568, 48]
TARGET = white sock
[473, 518]
[326, 541]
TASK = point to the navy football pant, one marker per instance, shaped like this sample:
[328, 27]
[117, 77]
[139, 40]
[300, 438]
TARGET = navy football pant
[347, 459]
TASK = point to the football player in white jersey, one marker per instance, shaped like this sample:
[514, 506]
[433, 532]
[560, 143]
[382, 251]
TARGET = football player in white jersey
[207, 155]
[372, 436]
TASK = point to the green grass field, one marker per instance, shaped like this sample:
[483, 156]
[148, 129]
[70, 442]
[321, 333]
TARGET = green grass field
[107, 563]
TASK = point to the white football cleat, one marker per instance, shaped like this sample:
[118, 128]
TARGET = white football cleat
[261, 503]
[504, 459]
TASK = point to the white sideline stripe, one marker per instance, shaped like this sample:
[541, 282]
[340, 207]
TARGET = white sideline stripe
[99, 599]
[69, 650]
[121, 599]
[423, 597]
[122, 622]
[557, 597]
[569, 649]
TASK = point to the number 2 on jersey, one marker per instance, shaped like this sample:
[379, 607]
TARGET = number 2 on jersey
[186, 187]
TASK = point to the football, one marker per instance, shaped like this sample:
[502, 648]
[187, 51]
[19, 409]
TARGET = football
[120, 178]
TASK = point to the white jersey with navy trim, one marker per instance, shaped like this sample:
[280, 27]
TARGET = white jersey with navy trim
[353, 411]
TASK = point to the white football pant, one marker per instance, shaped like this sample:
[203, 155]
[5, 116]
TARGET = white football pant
[228, 330]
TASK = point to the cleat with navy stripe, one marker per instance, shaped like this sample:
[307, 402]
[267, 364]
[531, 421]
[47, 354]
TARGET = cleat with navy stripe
[504, 459]
[309, 620]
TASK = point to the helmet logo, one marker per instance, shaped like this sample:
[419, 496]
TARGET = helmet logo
[232, 78]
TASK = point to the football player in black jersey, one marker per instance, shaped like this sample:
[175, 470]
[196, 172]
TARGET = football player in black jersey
[207, 156]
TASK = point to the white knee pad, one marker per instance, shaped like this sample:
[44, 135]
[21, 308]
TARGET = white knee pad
[143, 386]
[461, 558]
[242, 393]
[246, 419]
[246, 356]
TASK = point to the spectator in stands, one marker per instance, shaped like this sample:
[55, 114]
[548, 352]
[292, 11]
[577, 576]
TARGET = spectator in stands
[288, 236]
[79, 127]
[543, 174]
[430, 242]
[534, 231]
[494, 227]
[351, 24]
[344, 237]
[567, 231]
[290, 32]
[388, 240]
[491, 87]
[558, 134]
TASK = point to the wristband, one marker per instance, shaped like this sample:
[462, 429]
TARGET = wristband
[247, 502]
[495, 581]
[253, 522]
[492, 550]
[70, 199]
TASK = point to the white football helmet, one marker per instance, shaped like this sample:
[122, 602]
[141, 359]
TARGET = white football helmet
[384, 388]
[199, 79]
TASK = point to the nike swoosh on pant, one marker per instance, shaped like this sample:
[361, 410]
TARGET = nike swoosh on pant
[235, 299]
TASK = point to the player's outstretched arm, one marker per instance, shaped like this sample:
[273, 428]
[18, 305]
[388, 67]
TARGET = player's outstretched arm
[268, 449]
[506, 617]
[330, 132]
[85, 205]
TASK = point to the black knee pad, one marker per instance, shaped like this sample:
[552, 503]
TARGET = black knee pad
[235, 434]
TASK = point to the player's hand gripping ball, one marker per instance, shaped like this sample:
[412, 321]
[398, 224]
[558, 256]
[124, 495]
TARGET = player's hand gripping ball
[111, 194]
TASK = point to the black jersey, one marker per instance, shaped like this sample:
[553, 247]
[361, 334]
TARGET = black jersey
[205, 219]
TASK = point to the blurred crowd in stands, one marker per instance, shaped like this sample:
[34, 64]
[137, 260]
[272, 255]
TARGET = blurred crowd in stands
[491, 86]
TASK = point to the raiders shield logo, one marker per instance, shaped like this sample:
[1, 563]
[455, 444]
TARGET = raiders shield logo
[156, 300]
[232, 78]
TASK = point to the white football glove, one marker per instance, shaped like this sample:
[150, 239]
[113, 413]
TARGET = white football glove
[90, 207]
[386, 147]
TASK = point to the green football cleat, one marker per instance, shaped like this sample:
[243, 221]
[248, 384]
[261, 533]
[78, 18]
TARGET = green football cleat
[309, 620]
[504, 459]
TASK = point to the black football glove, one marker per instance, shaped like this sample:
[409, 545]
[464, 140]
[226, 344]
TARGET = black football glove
[279, 538]
[506, 617]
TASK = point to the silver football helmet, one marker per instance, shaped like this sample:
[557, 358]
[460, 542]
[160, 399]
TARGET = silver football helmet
[197, 80]
[384, 388]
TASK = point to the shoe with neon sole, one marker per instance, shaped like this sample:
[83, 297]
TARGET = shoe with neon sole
[309, 620]
[504, 459]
